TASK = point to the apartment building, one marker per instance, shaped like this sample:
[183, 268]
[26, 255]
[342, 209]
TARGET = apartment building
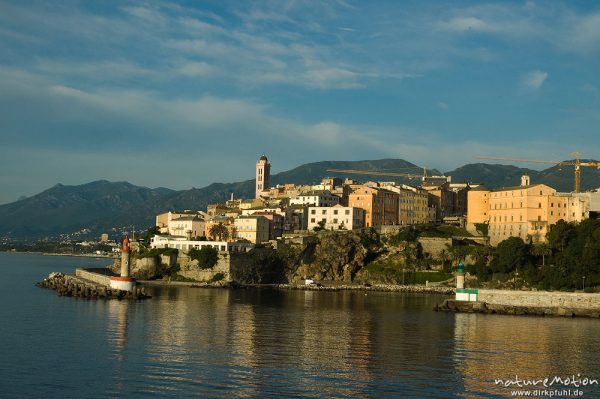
[380, 205]
[252, 228]
[337, 217]
[525, 211]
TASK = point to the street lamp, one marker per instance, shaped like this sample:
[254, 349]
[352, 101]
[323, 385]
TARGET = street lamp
[583, 279]
[516, 275]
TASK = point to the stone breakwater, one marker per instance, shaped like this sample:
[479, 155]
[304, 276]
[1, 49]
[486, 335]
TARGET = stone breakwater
[451, 305]
[67, 285]
[415, 289]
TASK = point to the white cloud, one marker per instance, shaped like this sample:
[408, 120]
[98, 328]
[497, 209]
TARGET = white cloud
[585, 33]
[195, 69]
[534, 80]
[462, 24]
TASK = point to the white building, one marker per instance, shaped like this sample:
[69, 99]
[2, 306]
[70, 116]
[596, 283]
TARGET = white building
[162, 220]
[187, 226]
[336, 217]
[590, 202]
[185, 245]
[316, 198]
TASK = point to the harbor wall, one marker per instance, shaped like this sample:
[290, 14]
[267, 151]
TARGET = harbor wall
[93, 275]
[228, 268]
[541, 299]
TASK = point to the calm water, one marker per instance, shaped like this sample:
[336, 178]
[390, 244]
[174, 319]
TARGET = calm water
[190, 342]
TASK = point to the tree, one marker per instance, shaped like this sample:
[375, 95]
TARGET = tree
[510, 254]
[207, 256]
[560, 234]
[482, 228]
[218, 230]
[320, 226]
[543, 250]
[151, 232]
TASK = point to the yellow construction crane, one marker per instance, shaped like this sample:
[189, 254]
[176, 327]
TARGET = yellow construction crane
[577, 163]
[423, 176]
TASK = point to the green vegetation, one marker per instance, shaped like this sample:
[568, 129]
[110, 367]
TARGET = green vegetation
[320, 226]
[408, 234]
[394, 273]
[151, 232]
[411, 233]
[207, 256]
[217, 277]
[144, 252]
[179, 277]
[570, 259]
[219, 231]
[442, 231]
[262, 266]
[483, 228]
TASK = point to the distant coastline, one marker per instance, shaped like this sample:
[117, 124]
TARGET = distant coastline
[76, 255]
[108, 256]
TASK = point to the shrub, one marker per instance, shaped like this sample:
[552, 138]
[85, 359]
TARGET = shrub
[152, 252]
[217, 277]
[207, 257]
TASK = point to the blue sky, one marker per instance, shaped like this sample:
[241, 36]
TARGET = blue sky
[181, 94]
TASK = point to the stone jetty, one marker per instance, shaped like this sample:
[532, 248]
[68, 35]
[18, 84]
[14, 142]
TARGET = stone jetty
[73, 286]
[414, 289]
[451, 305]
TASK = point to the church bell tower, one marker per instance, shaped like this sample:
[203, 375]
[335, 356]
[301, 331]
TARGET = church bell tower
[263, 175]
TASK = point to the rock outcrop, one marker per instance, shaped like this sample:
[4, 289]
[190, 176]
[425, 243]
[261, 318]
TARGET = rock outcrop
[336, 256]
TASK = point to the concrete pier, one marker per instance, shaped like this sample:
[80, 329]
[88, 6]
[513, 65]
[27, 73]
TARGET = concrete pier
[74, 286]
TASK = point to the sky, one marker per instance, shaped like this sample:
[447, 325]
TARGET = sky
[184, 93]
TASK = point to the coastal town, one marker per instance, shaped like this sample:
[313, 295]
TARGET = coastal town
[287, 210]
[345, 234]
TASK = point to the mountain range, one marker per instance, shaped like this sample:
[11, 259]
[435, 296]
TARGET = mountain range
[102, 206]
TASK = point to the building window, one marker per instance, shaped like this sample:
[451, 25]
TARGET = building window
[312, 220]
[540, 205]
[347, 211]
[312, 211]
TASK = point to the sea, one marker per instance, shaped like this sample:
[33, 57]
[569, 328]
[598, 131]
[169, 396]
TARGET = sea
[189, 342]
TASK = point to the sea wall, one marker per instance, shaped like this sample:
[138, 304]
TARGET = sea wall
[93, 275]
[84, 287]
[224, 270]
[540, 299]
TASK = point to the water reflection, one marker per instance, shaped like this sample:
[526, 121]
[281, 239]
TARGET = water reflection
[257, 343]
[492, 347]
[117, 323]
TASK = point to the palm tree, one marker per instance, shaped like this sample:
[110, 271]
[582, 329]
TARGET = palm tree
[219, 230]
[543, 250]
